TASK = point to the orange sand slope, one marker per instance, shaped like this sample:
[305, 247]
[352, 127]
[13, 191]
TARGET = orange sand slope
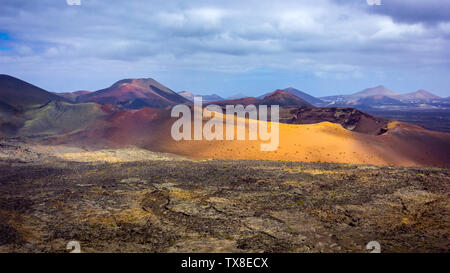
[402, 145]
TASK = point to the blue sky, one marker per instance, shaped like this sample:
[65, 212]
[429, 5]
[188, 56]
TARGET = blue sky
[323, 47]
[4, 38]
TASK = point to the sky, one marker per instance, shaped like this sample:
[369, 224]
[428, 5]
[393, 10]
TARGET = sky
[322, 47]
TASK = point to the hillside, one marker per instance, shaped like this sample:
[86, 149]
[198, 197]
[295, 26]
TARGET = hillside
[135, 94]
[283, 98]
[58, 118]
[341, 135]
[300, 94]
[303, 95]
[278, 97]
[401, 145]
[20, 95]
[349, 118]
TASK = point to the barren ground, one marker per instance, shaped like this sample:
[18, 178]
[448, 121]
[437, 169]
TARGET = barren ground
[177, 205]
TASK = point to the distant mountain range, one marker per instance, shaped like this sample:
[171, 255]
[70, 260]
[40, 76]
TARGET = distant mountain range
[284, 98]
[205, 98]
[277, 97]
[136, 112]
[210, 98]
[18, 100]
[138, 93]
[380, 97]
[300, 94]
[236, 97]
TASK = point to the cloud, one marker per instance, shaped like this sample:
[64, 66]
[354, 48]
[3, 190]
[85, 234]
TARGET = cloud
[414, 11]
[326, 39]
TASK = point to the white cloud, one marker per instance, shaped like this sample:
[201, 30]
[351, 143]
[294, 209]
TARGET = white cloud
[325, 38]
[387, 29]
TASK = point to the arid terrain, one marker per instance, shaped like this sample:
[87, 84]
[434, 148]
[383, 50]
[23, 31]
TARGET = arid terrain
[102, 168]
[234, 127]
[136, 112]
[132, 200]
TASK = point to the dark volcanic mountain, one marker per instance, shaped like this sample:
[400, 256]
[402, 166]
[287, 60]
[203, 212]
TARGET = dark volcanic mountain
[135, 94]
[278, 97]
[303, 95]
[298, 93]
[380, 97]
[350, 118]
[20, 95]
[283, 98]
